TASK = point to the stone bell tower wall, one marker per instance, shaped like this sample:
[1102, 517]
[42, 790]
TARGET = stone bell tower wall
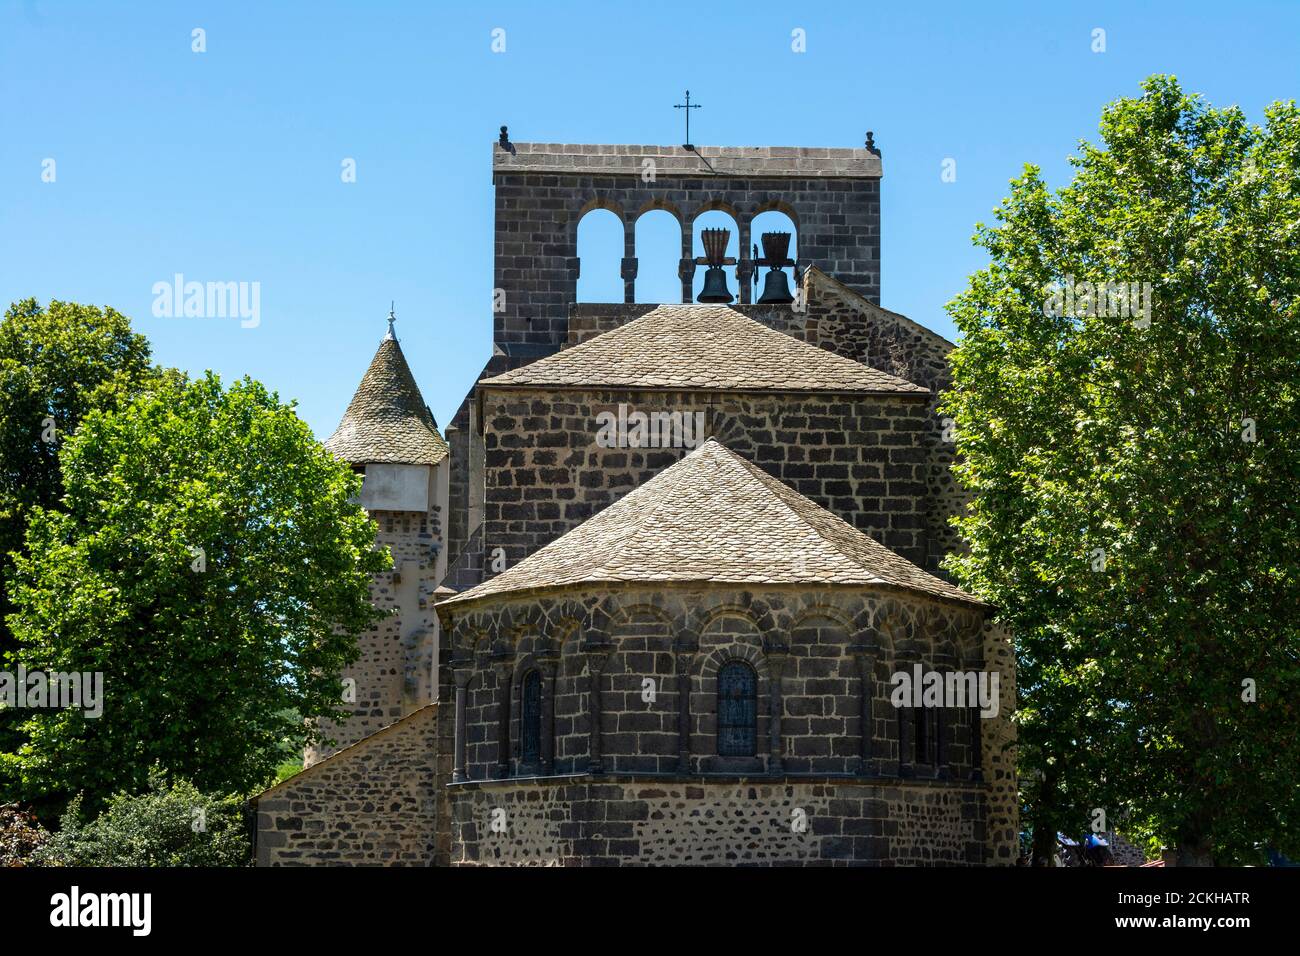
[544, 189]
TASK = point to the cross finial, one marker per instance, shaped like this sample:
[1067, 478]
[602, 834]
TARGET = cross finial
[688, 106]
[392, 317]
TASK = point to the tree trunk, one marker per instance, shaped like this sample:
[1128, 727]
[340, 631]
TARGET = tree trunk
[1044, 846]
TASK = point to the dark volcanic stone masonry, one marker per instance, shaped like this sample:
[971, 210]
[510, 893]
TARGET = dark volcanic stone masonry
[823, 660]
[545, 473]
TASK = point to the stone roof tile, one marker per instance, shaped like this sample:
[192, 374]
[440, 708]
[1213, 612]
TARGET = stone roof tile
[702, 347]
[387, 420]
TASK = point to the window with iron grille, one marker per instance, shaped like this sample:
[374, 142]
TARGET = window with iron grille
[737, 710]
[530, 719]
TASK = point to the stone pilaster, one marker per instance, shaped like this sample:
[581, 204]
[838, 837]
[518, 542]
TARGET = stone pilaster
[867, 696]
[595, 709]
[504, 671]
[776, 662]
[462, 671]
[548, 666]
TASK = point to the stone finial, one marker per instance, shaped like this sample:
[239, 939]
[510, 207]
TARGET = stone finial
[504, 140]
[392, 317]
[871, 143]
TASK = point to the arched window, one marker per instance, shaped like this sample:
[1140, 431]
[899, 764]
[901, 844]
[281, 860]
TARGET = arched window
[737, 710]
[772, 221]
[530, 719]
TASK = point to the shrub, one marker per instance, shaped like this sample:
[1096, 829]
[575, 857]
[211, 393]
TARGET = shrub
[21, 837]
[171, 825]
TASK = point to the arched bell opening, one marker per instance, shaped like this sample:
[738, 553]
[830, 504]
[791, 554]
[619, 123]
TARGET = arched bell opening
[658, 252]
[716, 244]
[775, 254]
[600, 255]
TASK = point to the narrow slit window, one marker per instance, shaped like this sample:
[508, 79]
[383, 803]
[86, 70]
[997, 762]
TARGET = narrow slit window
[531, 719]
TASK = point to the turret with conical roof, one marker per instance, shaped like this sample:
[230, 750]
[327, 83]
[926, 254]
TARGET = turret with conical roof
[390, 435]
[387, 420]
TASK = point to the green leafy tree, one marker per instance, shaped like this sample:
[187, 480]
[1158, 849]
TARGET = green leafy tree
[1135, 476]
[210, 559]
[169, 825]
[57, 363]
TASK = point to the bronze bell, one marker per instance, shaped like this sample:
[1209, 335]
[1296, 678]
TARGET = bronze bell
[776, 289]
[715, 286]
[715, 279]
[776, 252]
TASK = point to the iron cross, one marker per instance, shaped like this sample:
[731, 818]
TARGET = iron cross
[688, 106]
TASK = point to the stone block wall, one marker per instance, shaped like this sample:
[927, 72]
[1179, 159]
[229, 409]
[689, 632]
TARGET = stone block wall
[378, 803]
[998, 751]
[619, 785]
[859, 457]
[846, 323]
[702, 822]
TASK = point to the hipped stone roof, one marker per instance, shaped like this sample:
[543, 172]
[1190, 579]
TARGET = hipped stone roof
[703, 347]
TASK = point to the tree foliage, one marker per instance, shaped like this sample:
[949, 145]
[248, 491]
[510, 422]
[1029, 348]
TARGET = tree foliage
[1135, 482]
[210, 559]
[21, 837]
[57, 363]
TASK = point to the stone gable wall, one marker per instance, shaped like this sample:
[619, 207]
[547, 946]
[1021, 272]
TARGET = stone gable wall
[545, 472]
[380, 803]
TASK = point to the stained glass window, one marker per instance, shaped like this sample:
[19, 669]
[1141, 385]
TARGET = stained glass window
[737, 710]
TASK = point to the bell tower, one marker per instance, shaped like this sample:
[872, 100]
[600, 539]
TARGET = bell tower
[832, 195]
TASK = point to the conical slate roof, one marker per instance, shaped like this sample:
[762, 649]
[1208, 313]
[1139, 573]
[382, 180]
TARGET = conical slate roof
[387, 420]
[703, 347]
[714, 517]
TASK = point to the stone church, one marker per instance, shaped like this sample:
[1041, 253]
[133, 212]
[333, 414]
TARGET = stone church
[673, 640]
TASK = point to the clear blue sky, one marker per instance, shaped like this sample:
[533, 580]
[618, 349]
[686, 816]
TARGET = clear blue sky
[226, 165]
